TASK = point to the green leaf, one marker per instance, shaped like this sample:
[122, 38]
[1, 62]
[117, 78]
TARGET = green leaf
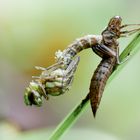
[69, 120]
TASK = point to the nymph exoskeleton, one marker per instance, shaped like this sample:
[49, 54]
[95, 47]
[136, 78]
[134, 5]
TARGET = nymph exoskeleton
[108, 50]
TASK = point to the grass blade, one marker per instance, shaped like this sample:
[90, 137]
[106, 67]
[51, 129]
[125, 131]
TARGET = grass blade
[67, 122]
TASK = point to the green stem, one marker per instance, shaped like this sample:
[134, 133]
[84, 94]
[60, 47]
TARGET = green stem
[76, 112]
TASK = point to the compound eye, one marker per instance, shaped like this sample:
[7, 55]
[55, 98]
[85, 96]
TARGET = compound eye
[27, 97]
[32, 97]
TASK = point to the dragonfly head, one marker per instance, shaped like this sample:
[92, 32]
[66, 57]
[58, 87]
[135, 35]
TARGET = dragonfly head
[32, 95]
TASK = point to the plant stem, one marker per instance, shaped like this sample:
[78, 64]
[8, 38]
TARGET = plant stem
[76, 112]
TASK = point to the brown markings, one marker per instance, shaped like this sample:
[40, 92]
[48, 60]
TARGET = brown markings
[81, 44]
[106, 50]
[99, 80]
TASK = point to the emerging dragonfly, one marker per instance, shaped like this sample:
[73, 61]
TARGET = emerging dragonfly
[57, 79]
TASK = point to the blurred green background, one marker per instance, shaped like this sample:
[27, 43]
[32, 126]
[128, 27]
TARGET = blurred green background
[30, 33]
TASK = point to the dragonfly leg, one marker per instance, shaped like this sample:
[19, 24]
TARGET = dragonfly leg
[129, 32]
[72, 66]
[69, 73]
[118, 59]
[50, 68]
[102, 50]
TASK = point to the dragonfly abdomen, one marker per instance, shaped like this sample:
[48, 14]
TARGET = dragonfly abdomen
[77, 46]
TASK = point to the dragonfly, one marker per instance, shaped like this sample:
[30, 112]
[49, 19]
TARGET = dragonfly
[57, 79]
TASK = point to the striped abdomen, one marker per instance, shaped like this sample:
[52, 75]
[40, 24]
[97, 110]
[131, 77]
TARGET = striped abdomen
[99, 80]
[81, 44]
